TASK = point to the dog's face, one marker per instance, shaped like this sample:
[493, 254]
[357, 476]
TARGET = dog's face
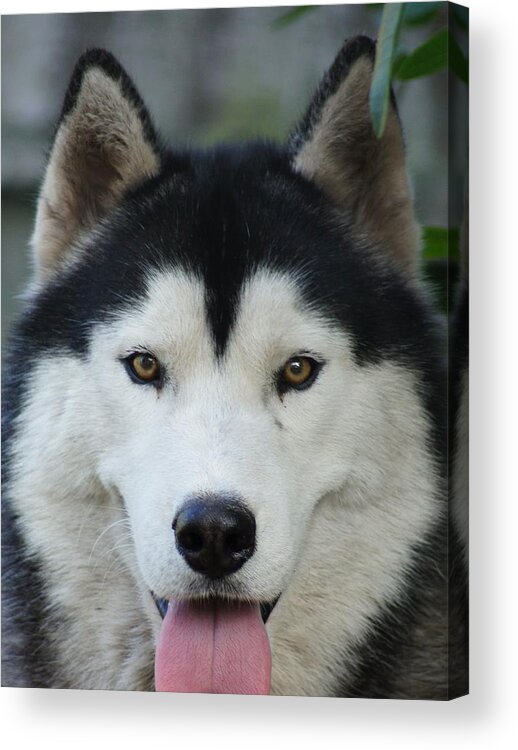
[263, 426]
[230, 320]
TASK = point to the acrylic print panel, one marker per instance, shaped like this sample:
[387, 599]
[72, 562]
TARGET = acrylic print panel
[235, 441]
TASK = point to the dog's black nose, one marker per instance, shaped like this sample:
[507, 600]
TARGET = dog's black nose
[215, 534]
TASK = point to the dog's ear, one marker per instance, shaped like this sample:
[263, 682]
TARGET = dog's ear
[336, 147]
[104, 145]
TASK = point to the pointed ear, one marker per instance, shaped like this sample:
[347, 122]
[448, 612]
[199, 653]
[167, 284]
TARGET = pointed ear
[336, 147]
[105, 144]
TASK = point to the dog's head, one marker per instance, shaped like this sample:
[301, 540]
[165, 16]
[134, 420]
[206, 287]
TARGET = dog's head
[238, 317]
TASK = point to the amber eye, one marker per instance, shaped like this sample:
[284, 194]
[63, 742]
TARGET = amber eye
[143, 368]
[298, 373]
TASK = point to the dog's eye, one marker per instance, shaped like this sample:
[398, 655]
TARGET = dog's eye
[143, 368]
[298, 373]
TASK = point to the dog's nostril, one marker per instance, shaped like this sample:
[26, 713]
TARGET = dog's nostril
[215, 535]
[238, 542]
[191, 540]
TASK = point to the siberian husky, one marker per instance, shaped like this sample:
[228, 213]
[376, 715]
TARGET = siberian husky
[225, 413]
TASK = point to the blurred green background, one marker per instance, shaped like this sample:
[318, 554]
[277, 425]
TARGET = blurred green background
[217, 74]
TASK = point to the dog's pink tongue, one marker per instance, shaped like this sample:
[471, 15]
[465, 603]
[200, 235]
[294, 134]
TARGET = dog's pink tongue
[215, 647]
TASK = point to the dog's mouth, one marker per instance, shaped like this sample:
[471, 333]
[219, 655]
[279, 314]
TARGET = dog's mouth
[266, 608]
[213, 646]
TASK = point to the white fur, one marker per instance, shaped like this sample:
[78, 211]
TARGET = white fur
[339, 478]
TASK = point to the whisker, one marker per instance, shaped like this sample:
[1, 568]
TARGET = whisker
[110, 526]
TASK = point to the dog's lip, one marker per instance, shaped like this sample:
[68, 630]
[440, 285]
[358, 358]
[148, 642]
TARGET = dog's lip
[266, 607]
[161, 605]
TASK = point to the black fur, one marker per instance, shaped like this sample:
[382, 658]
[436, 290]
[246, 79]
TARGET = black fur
[26, 653]
[458, 590]
[234, 209]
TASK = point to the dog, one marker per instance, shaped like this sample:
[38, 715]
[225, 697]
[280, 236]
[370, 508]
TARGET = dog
[225, 413]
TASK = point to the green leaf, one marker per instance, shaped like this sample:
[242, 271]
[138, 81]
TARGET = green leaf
[426, 59]
[385, 52]
[398, 59]
[456, 60]
[438, 52]
[292, 15]
[418, 13]
[440, 243]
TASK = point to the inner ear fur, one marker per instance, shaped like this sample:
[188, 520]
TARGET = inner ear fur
[105, 144]
[336, 148]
